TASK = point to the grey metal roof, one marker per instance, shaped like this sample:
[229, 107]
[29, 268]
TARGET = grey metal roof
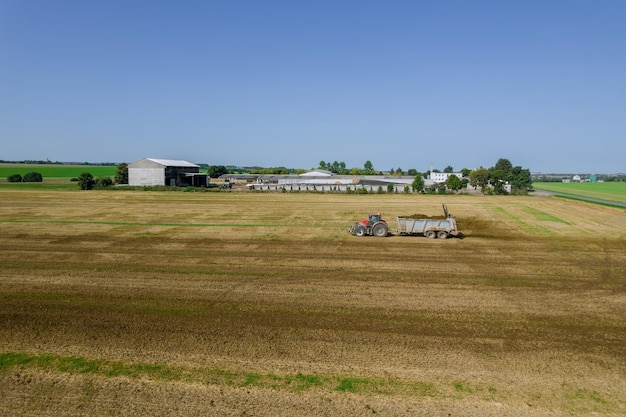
[171, 162]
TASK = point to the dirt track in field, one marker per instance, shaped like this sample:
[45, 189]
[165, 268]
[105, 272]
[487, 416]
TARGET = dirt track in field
[263, 304]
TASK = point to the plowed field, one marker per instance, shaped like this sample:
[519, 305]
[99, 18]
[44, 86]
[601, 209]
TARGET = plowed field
[195, 304]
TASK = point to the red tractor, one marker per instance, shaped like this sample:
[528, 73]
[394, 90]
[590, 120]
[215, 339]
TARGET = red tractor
[374, 225]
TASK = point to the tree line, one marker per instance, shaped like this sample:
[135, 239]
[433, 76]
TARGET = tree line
[86, 180]
[492, 180]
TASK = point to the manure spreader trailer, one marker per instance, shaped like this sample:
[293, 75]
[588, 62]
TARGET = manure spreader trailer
[429, 227]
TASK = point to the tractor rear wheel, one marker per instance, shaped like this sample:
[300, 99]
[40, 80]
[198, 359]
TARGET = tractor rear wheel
[359, 231]
[380, 230]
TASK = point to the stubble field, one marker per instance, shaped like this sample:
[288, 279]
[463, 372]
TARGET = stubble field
[194, 304]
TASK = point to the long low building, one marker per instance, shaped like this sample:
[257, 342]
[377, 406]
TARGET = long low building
[308, 182]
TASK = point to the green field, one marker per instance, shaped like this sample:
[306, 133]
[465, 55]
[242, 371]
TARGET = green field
[609, 191]
[50, 171]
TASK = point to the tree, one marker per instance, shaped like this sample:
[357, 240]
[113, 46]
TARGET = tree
[521, 180]
[215, 171]
[448, 169]
[454, 183]
[497, 178]
[14, 178]
[336, 167]
[465, 172]
[121, 174]
[86, 181]
[412, 172]
[32, 177]
[418, 184]
[503, 165]
[504, 172]
[368, 168]
[479, 178]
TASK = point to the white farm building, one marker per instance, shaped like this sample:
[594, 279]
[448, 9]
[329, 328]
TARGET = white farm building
[150, 171]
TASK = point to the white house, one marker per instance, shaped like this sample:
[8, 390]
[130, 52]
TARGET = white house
[439, 177]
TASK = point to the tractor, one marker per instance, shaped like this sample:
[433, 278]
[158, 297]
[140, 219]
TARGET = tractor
[374, 225]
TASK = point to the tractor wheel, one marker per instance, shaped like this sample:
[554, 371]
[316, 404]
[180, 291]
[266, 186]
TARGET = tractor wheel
[359, 231]
[430, 234]
[380, 230]
[442, 235]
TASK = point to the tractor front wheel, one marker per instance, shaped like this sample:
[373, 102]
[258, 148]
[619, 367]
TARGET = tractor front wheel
[359, 231]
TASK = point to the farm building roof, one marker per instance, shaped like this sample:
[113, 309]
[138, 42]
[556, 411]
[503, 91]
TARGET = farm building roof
[170, 162]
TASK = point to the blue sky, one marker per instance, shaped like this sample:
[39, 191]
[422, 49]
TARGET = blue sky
[403, 84]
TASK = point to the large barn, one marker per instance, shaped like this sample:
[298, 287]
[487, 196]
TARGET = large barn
[150, 171]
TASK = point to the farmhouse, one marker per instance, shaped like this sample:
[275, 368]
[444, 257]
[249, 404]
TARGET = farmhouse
[150, 171]
[440, 177]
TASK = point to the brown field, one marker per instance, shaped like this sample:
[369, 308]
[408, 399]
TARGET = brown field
[195, 304]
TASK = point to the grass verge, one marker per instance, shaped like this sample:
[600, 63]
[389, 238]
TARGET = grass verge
[212, 376]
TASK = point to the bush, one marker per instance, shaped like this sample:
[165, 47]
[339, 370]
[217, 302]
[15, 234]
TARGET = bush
[14, 178]
[32, 177]
[121, 175]
[86, 181]
[103, 183]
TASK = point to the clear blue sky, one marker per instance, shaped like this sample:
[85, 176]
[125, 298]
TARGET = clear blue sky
[403, 84]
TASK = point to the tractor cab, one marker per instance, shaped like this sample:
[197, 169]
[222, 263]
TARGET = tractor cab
[374, 217]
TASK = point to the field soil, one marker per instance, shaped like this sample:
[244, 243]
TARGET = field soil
[193, 304]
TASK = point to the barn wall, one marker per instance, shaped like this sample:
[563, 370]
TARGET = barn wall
[146, 176]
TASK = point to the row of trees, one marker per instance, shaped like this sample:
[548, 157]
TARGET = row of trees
[494, 179]
[30, 177]
[490, 180]
[86, 180]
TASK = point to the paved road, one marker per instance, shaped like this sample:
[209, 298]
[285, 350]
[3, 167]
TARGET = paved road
[578, 197]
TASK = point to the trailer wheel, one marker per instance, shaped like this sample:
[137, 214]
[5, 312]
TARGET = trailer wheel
[442, 235]
[430, 234]
[380, 230]
[359, 231]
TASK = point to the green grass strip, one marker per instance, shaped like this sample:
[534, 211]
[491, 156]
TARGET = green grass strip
[543, 216]
[211, 376]
[584, 200]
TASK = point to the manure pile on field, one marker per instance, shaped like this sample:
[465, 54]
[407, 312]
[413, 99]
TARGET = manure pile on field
[479, 227]
[423, 216]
